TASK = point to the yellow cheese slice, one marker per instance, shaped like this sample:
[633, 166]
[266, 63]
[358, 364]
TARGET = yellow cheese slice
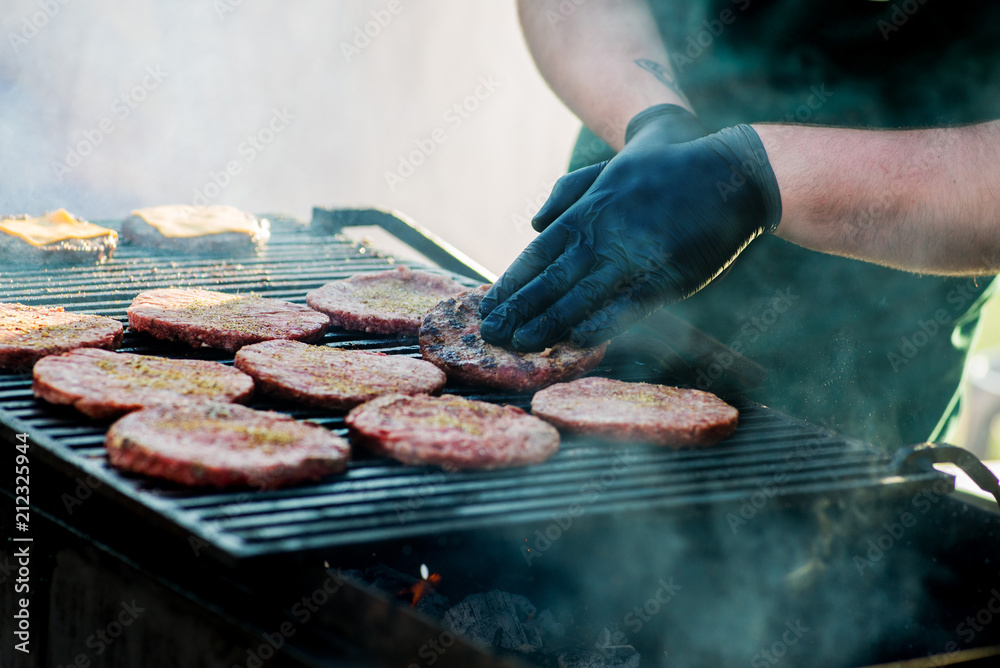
[51, 228]
[182, 220]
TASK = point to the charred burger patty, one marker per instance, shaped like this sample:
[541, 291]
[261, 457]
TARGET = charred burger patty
[449, 338]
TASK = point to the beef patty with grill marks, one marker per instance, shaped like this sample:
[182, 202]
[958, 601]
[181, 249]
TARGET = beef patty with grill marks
[104, 384]
[386, 302]
[203, 318]
[29, 333]
[451, 432]
[636, 412]
[449, 337]
[334, 378]
[224, 445]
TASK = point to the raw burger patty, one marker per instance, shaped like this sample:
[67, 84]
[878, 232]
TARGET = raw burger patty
[636, 411]
[449, 337]
[29, 333]
[333, 378]
[389, 302]
[223, 445]
[103, 384]
[452, 432]
[203, 318]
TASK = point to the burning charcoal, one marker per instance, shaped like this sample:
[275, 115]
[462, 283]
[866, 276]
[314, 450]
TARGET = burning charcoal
[606, 653]
[496, 618]
[612, 657]
[547, 625]
[398, 585]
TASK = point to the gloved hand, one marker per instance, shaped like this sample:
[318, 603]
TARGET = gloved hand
[656, 224]
[672, 124]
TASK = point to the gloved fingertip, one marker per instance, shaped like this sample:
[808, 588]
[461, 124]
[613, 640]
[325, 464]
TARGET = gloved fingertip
[586, 336]
[575, 338]
[539, 224]
[536, 335]
[495, 331]
[486, 306]
[549, 212]
[531, 341]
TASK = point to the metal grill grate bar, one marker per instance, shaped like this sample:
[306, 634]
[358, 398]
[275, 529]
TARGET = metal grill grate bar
[378, 499]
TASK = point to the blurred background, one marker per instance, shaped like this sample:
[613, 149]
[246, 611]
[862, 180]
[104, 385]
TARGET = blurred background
[434, 109]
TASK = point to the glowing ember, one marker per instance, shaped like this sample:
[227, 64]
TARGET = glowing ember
[419, 588]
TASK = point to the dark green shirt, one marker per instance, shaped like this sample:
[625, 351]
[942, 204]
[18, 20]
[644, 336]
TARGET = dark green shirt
[870, 351]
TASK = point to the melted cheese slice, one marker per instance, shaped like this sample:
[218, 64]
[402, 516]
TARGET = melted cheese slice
[51, 228]
[182, 220]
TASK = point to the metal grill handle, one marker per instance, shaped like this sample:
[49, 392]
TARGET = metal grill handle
[922, 457]
[415, 236]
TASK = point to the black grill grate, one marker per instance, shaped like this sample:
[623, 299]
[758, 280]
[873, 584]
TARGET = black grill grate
[378, 499]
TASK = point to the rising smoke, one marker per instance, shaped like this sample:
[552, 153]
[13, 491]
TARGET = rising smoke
[84, 124]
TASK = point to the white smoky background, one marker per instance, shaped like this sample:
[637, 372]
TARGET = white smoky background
[159, 102]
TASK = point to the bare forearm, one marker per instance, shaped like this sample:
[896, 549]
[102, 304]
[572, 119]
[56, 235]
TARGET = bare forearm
[605, 59]
[920, 200]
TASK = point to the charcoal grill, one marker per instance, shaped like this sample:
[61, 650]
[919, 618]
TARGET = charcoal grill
[379, 505]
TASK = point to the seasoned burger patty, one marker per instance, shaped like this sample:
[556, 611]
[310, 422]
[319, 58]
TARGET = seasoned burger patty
[203, 230]
[103, 384]
[223, 445]
[636, 411]
[452, 432]
[333, 378]
[203, 318]
[29, 333]
[449, 337]
[388, 302]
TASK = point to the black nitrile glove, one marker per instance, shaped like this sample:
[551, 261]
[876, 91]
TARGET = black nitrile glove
[672, 124]
[659, 221]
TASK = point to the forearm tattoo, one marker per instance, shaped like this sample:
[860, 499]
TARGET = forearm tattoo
[663, 75]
